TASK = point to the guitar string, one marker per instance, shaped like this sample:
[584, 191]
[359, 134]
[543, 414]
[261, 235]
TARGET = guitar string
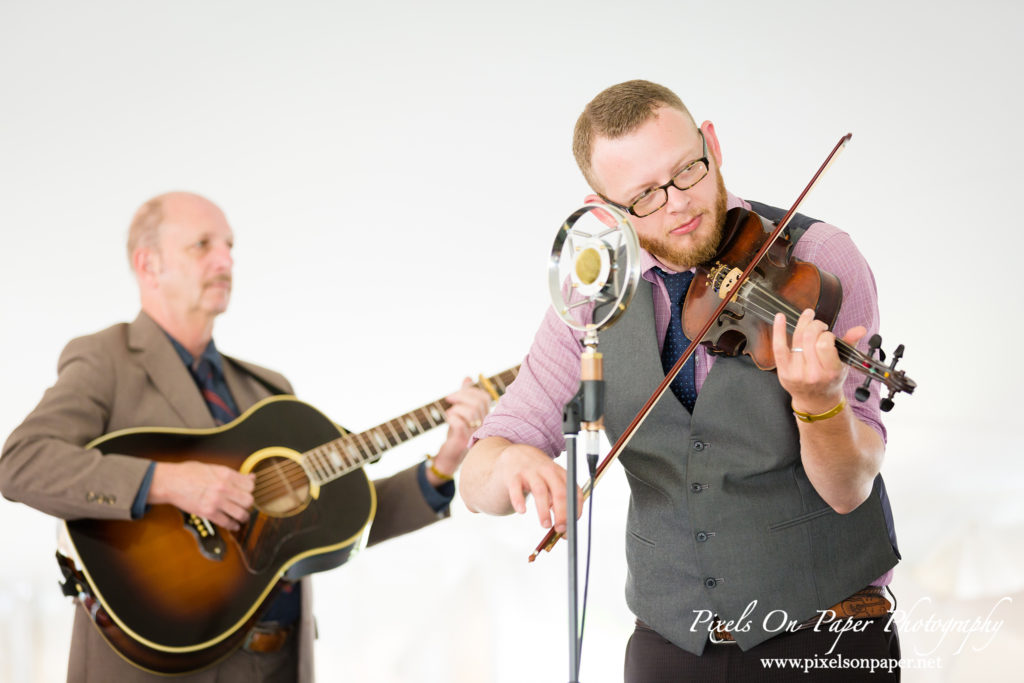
[284, 476]
[272, 486]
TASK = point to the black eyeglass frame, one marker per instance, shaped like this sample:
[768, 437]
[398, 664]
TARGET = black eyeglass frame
[664, 188]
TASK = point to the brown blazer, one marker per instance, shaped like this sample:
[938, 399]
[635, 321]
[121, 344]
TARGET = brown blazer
[129, 375]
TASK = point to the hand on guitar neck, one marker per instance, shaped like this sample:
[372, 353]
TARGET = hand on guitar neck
[468, 407]
[214, 492]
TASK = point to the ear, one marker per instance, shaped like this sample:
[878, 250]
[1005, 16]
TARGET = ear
[602, 216]
[714, 149]
[146, 264]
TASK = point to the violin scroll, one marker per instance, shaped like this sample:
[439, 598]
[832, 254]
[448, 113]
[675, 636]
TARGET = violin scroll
[895, 380]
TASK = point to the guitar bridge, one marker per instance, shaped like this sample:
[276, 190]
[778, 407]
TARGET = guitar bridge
[211, 545]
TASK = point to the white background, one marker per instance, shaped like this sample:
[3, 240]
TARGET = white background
[395, 176]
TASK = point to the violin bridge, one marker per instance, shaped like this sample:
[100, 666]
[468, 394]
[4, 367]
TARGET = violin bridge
[724, 279]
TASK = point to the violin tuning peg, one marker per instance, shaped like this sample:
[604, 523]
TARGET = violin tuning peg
[862, 392]
[875, 341]
[898, 353]
[886, 405]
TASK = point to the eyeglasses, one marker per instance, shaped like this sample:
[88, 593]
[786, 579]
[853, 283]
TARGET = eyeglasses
[656, 197]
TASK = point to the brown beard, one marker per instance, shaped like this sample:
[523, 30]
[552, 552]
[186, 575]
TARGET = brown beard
[703, 251]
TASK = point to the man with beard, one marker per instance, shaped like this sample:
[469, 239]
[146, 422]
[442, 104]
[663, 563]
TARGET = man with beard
[757, 512]
[163, 370]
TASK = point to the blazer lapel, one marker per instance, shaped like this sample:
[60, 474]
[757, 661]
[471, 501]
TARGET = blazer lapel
[250, 383]
[168, 374]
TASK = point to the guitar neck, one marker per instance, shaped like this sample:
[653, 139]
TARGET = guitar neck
[351, 451]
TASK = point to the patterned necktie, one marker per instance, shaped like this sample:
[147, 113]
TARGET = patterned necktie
[221, 405]
[683, 386]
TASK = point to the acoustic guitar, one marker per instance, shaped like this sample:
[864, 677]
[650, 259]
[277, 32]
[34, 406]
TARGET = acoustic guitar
[173, 593]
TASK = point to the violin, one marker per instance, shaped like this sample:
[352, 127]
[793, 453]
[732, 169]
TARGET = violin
[778, 283]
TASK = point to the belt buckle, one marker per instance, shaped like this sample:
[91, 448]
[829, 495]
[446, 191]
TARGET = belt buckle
[266, 638]
[718, 640]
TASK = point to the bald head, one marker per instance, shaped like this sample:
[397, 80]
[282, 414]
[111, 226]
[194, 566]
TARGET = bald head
[171, 207]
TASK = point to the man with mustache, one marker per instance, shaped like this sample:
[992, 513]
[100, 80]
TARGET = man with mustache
[756, 504]
[163, 370]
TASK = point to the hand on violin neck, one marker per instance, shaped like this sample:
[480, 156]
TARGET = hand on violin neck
[808, 362]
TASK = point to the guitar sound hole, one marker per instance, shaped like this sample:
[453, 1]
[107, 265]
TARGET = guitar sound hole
[282, 488]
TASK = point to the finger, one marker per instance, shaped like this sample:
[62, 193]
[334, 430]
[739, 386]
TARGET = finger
[461, 417]
[855, 334]
[805, 336]
[239, 498]
[223, 520]
[476, 401]
[236, 512]
[561, 509]
[541, 499]
[827, 355]
[458, 396]
[517, 495]
[779, 346]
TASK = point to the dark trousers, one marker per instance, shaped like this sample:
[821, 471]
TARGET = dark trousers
[652, 659]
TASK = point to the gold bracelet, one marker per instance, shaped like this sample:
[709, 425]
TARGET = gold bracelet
[808, 417]
[437, 473]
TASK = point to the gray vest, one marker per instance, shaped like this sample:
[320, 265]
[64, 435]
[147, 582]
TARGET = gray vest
[721, 515]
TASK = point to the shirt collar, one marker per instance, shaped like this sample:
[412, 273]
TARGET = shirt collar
[210, 353]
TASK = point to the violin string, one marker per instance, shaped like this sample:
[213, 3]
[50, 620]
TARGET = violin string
[765, 305]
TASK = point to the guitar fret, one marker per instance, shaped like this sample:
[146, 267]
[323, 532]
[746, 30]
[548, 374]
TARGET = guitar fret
[351, 453]
[324, 464]
[336, 458]
[391, 425]
[314, 462]
[382, 443]
[411, 427]
[328, 463]
[437, 414]
[430, 420]
[365, 447]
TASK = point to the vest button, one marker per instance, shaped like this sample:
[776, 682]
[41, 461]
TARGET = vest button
[696, 488]
[710, 582]
[698, 445]
[701, 536]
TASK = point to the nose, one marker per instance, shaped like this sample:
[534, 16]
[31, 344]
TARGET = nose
[222, 258]
[678, 199]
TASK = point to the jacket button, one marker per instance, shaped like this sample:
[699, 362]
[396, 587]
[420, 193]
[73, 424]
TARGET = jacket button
[701, 536]
[698, 445]
[696, 488]
[710, 582]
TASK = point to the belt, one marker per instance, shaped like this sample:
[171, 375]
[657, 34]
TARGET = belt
[867, 603]
[266, 638]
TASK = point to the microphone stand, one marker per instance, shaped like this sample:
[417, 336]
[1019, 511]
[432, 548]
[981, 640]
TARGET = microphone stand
[584, 411]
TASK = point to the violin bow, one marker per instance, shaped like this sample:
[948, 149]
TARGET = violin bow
[551, 538]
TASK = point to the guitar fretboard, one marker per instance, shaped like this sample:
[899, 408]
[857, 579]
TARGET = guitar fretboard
[343, 455]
